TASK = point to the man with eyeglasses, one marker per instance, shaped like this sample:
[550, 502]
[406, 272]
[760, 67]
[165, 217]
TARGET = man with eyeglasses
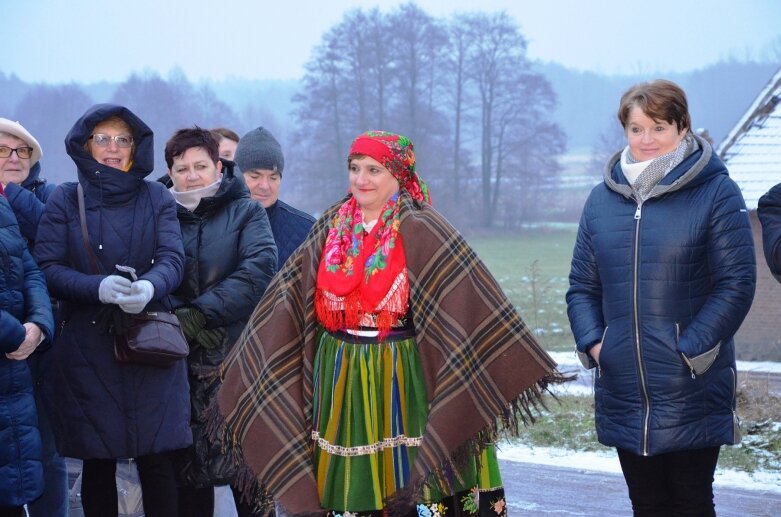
[27, 192]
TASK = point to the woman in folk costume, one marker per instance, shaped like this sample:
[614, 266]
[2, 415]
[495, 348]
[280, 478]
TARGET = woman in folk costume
[382, 361]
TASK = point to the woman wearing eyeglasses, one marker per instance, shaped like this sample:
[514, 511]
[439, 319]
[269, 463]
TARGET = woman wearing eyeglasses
[103, 409]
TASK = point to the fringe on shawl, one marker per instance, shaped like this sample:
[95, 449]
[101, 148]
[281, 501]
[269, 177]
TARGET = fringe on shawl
[524, 410]
[252, 491]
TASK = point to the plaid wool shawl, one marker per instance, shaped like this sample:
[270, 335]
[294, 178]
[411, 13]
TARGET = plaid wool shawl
[484, 370]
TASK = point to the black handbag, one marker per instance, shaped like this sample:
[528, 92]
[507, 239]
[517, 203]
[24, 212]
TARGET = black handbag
[153, 338]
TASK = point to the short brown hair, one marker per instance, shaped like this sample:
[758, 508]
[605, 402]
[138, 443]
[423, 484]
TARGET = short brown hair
[188, 138]
[223, 132]
[659, 100]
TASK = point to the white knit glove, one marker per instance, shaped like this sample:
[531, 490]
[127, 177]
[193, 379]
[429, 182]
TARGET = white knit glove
[141, 292]
[112, 288]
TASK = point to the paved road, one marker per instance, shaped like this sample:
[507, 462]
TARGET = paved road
[545, 491]
[542, 491]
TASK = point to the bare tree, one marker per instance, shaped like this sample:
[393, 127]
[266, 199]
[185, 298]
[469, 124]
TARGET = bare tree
[409, 72]
[49, 112]
[322, 112]
[168, 105]
[514, 104]
[607, 143]
[457, 82]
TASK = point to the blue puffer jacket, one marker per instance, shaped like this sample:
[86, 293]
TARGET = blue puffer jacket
[28, 201]
[101, 408]
[664, 286]
[23, 298]
[290, 227]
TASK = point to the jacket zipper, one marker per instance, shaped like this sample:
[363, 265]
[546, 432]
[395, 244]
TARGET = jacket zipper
[638, 350]
[599, 366]
[685, 359]
[736, 433]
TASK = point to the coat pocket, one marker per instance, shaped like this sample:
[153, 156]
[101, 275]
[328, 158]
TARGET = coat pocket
[586, 360]
[700, 364]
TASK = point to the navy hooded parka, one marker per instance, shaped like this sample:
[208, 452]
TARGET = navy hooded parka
[102, 408]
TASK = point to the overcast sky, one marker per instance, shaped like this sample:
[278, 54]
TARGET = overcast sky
[89, 40]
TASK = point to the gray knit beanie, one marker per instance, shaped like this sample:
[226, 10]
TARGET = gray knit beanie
[258, 149]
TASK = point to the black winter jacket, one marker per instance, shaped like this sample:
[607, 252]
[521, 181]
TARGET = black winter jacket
[99, 407]
[664, 286]
[230, 258]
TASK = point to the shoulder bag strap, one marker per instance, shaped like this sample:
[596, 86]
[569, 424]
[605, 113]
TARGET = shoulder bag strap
[93, 260]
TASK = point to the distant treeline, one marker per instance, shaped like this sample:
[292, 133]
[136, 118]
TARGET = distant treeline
[489, 125]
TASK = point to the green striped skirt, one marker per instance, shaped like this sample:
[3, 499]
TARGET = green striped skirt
[369, 416]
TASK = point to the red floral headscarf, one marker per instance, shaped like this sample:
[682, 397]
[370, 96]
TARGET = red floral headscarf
[363, 275]
[397, 154]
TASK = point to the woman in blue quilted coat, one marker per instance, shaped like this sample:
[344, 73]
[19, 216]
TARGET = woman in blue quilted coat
[663, 273]
[25, 321]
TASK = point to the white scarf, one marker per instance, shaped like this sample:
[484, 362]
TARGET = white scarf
[190, 199]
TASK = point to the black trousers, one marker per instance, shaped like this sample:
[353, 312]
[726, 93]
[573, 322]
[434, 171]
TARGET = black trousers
[11, 511]
[158, 486]
[670, 485]
[199, 502]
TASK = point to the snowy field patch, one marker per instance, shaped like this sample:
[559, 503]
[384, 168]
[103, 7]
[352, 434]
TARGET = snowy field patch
[601, 461]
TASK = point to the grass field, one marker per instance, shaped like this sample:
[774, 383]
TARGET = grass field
[532, 268]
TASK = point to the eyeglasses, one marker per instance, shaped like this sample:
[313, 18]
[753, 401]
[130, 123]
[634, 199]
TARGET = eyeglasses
[21, 152]
[102, 140]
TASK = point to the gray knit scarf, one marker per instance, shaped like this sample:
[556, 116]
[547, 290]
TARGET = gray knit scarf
[659, 167]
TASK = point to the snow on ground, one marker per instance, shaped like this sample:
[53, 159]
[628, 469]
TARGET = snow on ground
[569, 363]
[759, 366]
[604, 461]
[577, 388]
[566, 360]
